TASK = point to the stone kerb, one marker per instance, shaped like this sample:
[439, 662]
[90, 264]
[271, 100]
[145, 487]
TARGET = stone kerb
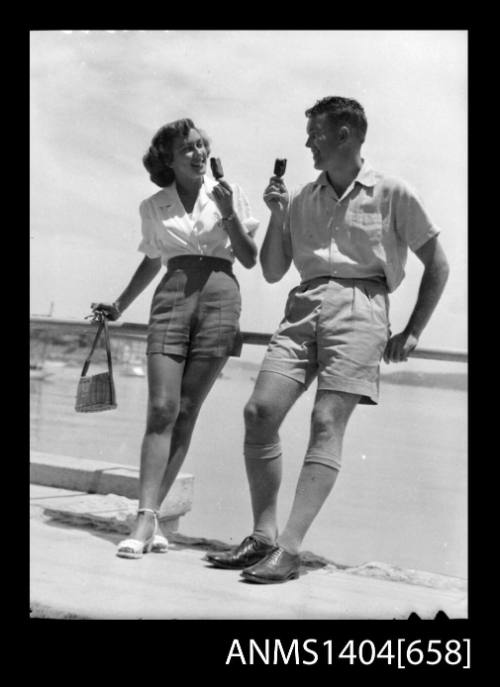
[99, 477]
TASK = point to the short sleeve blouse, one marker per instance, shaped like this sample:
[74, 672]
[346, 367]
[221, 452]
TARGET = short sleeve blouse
[168, 230]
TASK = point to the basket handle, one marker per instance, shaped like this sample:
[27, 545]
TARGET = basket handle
[103, 324]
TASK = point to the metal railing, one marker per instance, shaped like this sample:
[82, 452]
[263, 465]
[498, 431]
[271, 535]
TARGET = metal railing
[135, 330]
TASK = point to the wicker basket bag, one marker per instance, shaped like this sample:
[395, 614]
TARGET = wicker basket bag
[97, 392]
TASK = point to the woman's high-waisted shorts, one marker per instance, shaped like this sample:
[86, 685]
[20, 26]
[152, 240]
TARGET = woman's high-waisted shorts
[337, 330]
[195, 309]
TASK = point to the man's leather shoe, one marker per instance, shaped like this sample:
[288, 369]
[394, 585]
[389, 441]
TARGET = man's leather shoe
[250, 551]
[277, 566]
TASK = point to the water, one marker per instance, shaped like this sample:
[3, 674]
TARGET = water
[401, 497]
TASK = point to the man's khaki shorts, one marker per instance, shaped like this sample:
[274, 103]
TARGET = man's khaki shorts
[336, 329]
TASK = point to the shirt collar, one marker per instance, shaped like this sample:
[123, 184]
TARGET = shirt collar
[168, 195]
[366, 176]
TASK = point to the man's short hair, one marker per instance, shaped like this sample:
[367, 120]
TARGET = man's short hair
[341, 111]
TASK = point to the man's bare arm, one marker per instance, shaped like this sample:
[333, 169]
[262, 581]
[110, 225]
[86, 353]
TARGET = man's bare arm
[432, 283]
[275, 254]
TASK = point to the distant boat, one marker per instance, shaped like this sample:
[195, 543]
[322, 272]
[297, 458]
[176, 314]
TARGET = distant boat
[39, 371]
[55, 364]
[131, 364]
[131, 369]
[44, 368]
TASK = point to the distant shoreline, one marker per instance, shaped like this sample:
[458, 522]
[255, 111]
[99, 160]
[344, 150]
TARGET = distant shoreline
[456, 381]
[72, 349]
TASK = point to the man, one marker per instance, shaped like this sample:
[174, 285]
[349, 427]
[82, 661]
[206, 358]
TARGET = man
[347, 234]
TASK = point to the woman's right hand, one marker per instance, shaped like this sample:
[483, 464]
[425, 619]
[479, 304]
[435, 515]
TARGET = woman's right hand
[276, 197]
[109, 310]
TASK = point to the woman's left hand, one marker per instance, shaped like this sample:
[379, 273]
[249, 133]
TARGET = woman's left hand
[223, 197]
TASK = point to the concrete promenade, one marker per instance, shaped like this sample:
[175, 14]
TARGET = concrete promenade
[74, 572]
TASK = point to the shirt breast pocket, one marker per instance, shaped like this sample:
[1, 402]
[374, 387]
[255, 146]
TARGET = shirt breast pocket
[368, 225]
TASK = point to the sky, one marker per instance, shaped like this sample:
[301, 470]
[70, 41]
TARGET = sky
[98, 97]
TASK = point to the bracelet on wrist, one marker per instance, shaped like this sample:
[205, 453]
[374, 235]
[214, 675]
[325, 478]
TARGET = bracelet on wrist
[228, 218]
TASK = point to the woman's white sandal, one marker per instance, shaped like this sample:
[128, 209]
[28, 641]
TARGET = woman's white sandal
[136, 548]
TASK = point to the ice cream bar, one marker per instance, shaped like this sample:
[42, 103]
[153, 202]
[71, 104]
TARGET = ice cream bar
[216, 166]
[279, 167]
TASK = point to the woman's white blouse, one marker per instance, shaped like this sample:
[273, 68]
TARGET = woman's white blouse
[168, 230]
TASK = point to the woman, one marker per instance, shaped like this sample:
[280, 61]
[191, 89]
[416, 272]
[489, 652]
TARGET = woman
[196, 227]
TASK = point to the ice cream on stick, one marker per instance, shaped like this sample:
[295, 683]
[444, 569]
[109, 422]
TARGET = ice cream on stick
[279, 167]
[216, 166]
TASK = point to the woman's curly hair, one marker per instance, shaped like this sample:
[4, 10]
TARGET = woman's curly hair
[159, 154]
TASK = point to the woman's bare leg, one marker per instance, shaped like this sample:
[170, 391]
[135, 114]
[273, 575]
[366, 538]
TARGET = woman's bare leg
[165, 374]
[199, 377]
